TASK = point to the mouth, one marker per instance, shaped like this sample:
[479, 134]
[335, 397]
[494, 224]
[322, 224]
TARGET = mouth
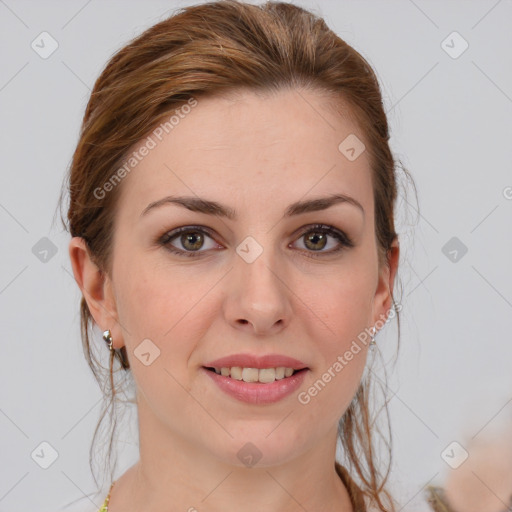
[257, 386]
[256, 375]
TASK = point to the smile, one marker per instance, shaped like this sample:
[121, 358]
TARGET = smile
[254, 390]
[263, 375]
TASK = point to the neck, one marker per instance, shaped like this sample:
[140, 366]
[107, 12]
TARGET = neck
[175, 472]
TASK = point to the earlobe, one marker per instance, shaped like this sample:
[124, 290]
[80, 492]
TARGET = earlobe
[94, 284]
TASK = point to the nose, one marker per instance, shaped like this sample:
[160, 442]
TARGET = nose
[258, 299]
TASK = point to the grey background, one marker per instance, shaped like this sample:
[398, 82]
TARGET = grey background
[450, 124]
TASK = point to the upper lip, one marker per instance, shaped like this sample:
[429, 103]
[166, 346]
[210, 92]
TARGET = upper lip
[253, 361]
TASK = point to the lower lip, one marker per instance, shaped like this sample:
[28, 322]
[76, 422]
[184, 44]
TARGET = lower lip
[257, 392]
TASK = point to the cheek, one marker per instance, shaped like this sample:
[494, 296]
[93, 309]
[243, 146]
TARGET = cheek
[152, 294]
[343, 302]
[337, 316]
[167, 307]
[157, 306]
[145, 302]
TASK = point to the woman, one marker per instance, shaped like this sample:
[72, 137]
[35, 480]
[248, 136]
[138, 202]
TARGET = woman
[232, 218]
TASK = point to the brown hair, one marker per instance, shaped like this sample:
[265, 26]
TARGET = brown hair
[204, 50]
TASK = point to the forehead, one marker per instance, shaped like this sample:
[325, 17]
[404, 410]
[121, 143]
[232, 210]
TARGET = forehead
[258, 149]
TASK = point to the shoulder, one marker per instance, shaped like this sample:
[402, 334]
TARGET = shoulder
[436, 498]
[432, 498]
[93, 502]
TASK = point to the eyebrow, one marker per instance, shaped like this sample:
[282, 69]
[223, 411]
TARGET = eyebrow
[197, 204]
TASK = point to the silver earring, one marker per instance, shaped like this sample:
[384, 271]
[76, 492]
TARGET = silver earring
[373, 330]
[107, 336]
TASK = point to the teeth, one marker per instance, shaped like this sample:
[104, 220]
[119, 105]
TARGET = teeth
[263, 375]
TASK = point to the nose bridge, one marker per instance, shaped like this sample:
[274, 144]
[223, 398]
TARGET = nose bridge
[259, 295]
[258, 267]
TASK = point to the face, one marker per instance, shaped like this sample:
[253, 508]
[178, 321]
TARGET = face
[264, 279]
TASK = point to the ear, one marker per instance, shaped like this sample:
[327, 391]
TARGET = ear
[96, 287]
[383, 300]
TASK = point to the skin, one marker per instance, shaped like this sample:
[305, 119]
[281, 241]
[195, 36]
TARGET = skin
[196, 309]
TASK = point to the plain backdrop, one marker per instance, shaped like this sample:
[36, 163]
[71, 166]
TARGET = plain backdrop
[449, 102]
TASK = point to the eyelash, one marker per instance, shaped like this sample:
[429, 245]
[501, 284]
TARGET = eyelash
[345, 241]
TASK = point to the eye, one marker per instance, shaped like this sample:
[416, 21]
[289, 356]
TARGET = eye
[316, 238]
[191, 239]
